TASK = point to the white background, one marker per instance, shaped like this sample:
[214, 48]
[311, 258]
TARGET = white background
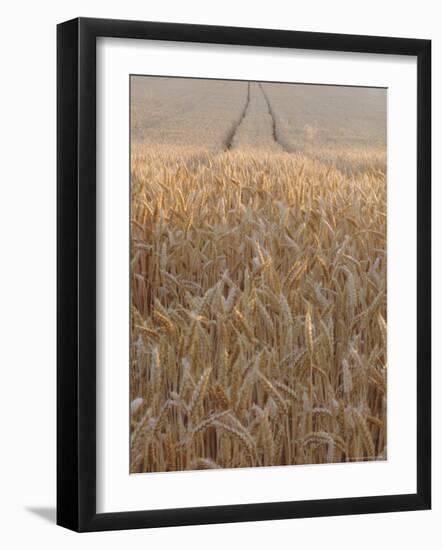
[117, 490]
[27, 290]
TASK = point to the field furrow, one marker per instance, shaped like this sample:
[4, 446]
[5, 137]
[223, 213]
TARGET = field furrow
[256, 129]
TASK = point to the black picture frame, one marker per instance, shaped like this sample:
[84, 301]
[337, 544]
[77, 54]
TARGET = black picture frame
[77, 287]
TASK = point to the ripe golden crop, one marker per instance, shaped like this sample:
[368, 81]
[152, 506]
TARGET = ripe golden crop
[258, 294]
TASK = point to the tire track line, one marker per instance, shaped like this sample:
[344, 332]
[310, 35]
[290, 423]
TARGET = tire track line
[272, 116]
[231, 137]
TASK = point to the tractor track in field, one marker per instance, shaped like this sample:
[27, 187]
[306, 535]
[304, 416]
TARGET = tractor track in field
[272, 116]
[232, 138]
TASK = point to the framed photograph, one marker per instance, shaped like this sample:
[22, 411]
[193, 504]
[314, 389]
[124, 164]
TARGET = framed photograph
[243, 274]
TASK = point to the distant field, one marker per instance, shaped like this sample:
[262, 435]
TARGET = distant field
[332, 116]
[258, 274]
[206, 113]
[179, 111]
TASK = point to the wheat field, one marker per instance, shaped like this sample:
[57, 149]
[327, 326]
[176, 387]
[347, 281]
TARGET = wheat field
[258, 291]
